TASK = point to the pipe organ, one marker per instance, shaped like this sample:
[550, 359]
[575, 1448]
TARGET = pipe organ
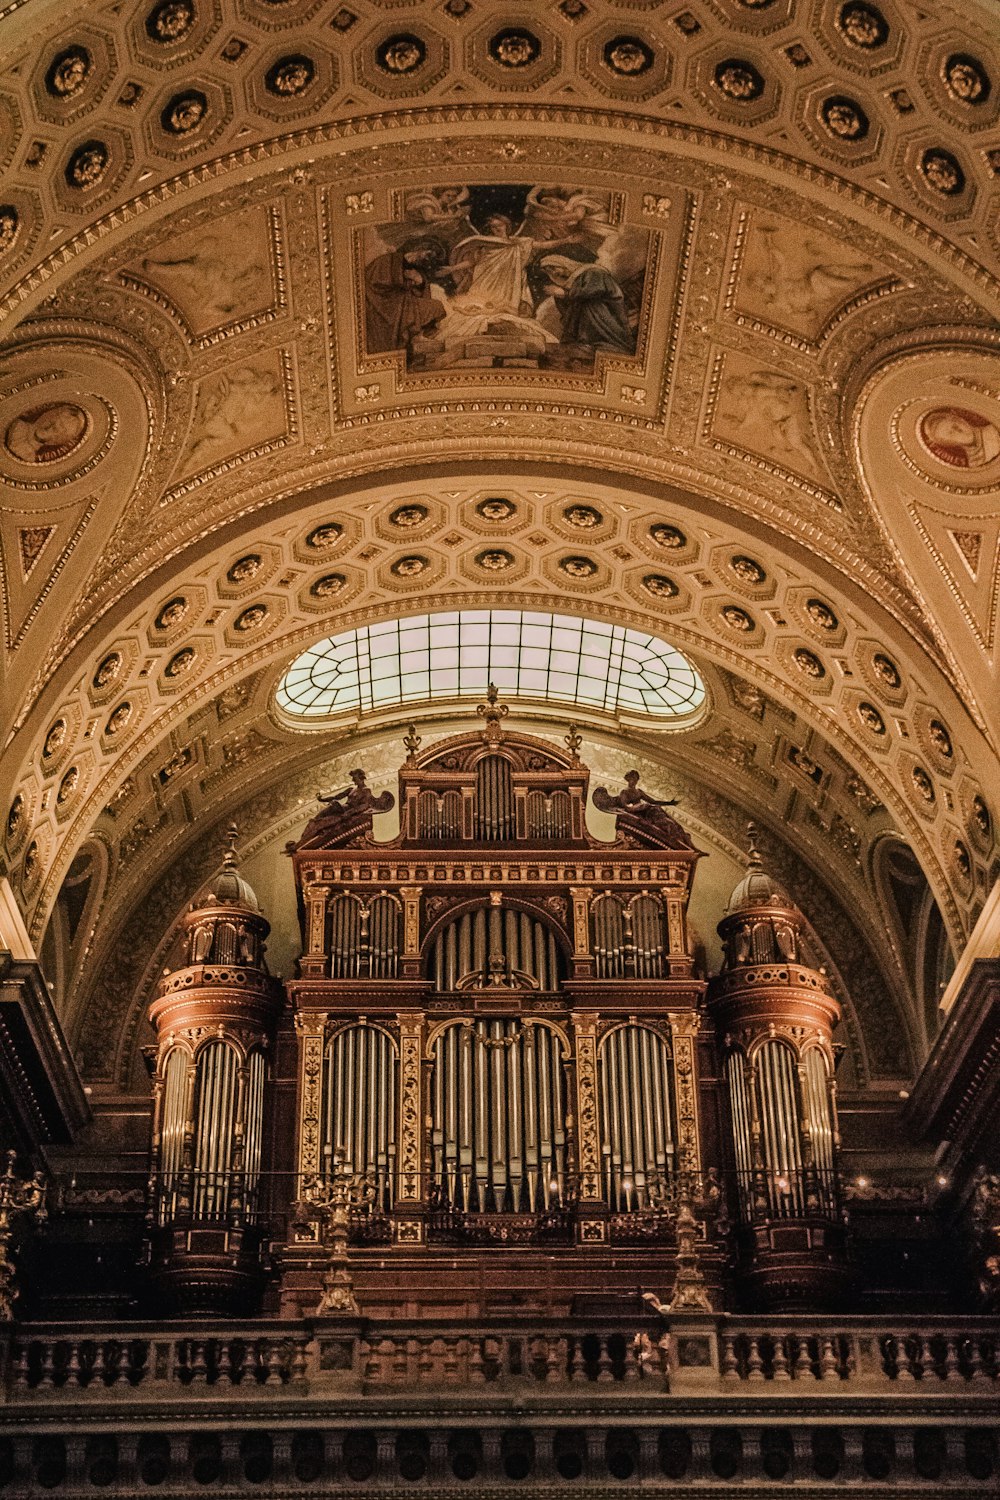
[363, 936]
[500, 1041]
[628, 936]
[497, 942]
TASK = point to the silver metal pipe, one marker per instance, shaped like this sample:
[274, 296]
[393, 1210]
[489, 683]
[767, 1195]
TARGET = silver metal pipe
[614, 1094]
[638, 1090]
[451, 956]
[532, 1104]
[437, 1122]
[451, 1113]
[660, 1100]
[482, 1144]
[499, 1143]
[557, 1107]
[606, 1125]
[625, 1089]
[526, 946]
[464, 945]
[546, 1145]
[350, 1087]
[465, 1121]
[515, 1123]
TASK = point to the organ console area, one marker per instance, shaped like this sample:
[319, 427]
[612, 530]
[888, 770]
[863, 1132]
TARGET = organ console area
[496, 1069]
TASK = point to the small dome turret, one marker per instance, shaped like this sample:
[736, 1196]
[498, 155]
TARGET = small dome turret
[224, 923]
[229, 888]
[762, 922]
[758, 887]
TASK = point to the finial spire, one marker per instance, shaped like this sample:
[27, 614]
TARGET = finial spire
[230, 858]
[492, 711]
[756, 862]
[573, 741]
[411, 741]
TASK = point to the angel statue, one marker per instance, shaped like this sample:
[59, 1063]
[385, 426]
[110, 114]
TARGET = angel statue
[342, 808]
[640, 805]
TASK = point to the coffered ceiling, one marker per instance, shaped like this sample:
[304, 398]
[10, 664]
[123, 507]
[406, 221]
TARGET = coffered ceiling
[706, 292]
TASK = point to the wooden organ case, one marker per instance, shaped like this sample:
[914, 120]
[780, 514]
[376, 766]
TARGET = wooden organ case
[498, 1030]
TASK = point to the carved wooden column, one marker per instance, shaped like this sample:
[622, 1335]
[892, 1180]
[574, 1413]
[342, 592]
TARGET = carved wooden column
[311, 1029]
[410, 1196]
[583, 962]
[410, 958]
[313, 963]
[684, 1030]
[592, 1226]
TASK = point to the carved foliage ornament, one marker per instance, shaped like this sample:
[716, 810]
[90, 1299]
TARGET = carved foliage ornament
[68, 72]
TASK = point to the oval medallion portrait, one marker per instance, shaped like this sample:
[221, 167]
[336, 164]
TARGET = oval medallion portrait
[45, 434]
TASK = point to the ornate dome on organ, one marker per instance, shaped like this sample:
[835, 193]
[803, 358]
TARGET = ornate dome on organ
[229, 887]
[225, 925]
[762, 922]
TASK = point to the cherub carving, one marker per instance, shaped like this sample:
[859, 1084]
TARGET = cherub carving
[639, 804]
[339, 808]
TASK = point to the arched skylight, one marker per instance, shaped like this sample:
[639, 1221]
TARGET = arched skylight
[457, 654]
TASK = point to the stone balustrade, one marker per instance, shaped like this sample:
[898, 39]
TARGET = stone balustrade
[694, 1354]
[334, 1408]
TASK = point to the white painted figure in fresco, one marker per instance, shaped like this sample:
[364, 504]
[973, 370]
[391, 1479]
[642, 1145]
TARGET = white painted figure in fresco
[523, 277]
[767, 412]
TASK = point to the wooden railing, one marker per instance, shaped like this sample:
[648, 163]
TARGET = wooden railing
[706, 1355]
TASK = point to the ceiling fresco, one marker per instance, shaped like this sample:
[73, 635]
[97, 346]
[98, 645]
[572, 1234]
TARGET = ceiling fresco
[319, 314]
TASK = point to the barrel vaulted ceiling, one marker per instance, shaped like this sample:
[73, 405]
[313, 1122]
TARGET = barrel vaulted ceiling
[776, 442]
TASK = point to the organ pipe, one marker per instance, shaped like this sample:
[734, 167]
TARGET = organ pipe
[818, 1116]
[739, 1105]
[359, 1107]
[636, 1116]
[494, 800]
[466, 946]
[781, 1145]
[628, 937]
[498, 1113]
[215, 1124]
[173, 1126]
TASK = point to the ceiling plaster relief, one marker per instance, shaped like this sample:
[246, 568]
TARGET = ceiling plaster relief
[937, 478]
[64, 475]
[467, 425]
[222, 277]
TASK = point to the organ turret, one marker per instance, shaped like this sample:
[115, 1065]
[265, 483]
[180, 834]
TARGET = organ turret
[214, 1018]
[775, 1016]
